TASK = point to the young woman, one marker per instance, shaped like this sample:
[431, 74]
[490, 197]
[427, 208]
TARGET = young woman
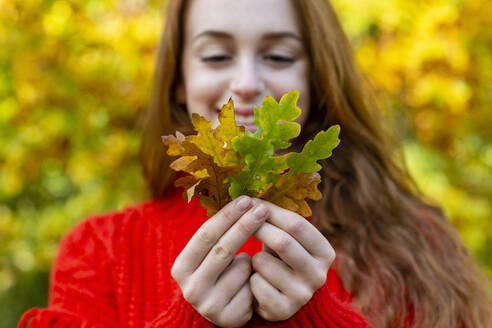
[399, 262]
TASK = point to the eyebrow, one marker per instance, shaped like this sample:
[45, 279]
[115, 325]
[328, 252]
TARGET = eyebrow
[266, 36]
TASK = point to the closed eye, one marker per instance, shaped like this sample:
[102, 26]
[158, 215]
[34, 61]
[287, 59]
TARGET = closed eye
[215, 59]
[280, 59]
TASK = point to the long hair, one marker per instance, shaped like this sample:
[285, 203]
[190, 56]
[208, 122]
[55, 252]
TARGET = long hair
[401, 260]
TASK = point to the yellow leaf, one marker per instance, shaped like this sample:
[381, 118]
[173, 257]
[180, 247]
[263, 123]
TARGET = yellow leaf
[206, 140]
[227, 130]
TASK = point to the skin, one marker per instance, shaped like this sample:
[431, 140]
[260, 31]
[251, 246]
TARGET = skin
[224, 288]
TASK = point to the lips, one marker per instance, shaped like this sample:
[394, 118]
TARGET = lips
[244, 111]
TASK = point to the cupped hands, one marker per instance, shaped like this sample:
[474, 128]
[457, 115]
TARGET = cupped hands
[276, 282]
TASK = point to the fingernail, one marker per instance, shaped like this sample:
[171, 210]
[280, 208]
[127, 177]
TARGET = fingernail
[259, 212]
[243, 203]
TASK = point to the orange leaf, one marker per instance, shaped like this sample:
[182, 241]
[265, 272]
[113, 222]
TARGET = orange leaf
[290, 193]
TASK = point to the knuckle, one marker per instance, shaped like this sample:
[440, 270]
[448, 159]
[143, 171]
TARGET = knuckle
[330, 256]
[303, 296]
[259, 259]
[244, 266]
[319, 278]
[240, 269]
[276, 311]
[296, 226]
[259, 213]
[243, 257]
[282, 243]
[176, 273]
[230, 212]
[281, 312]
[245, 227]
[254, 283]
[222, 252]
[209, 309]
[190, 294]
[243, 261]
[285, 311]
[290, 310]
[205, 235]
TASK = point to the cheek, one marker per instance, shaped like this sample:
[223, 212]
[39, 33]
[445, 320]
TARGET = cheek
[304, 102]
[204, 90]
[302, 81]
[201, 87]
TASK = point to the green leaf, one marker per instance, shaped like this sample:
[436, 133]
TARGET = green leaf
[258, 155]
[267, 120]
[263, 165]
[320, 147]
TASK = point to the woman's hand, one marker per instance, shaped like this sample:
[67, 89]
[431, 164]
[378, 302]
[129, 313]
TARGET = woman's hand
[211, 278]
[282, 285]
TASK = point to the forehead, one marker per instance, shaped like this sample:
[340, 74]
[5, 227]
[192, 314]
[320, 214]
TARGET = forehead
[241, 16]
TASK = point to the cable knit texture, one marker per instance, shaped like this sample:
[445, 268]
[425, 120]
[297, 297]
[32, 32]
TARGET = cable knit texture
[113, 270]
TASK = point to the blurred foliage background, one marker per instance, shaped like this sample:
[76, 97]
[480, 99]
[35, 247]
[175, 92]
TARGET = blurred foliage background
[74, 76]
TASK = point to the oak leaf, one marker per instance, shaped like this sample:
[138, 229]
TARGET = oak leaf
[208, 164]
[291, 191]
[226, 162]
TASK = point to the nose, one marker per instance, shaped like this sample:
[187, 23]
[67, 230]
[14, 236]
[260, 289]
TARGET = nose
[247, 82]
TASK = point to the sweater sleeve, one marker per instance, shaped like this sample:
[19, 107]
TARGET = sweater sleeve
[180, 314]
[330, 306]
[81, 290]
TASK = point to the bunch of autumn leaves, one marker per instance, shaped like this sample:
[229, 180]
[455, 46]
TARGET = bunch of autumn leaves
[229, 161]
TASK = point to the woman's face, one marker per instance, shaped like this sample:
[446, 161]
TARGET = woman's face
[244, 49]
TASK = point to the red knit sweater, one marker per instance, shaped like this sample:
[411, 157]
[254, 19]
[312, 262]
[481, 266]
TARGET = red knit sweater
[113, 270]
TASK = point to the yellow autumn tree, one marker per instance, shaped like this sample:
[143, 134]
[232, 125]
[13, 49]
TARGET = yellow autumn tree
[74, 76]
